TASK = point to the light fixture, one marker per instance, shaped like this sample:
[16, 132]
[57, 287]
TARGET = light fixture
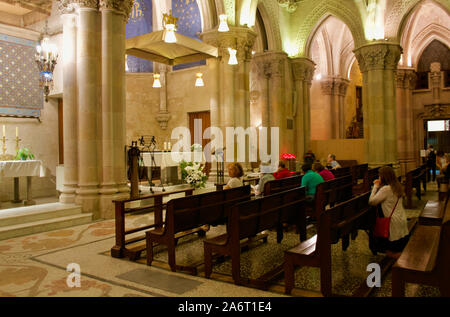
[46, 57]
[233, 59]
[156, 81]
[170, 26]
[318, 76]
[199, 80]
[126, 63]
[223, 25]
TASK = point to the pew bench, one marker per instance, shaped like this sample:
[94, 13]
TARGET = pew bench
[186, 214]
[425, 259]
[433, 213]
[127, 247]
[414, 179]
[247, 220]
[335, 223]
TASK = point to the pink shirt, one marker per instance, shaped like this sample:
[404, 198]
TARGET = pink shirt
[326, 175]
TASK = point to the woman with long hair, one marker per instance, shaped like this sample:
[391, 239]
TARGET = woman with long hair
[388, 192]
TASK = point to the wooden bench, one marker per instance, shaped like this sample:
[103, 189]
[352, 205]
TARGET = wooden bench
[248, 219]
[370, 176]
[425, 259]
[433, 213]
[122, 247]
[348, 163]
[414, 179]
[188, 213]
[358, 172]
[343, 171]
[283, 184]
[334, 224]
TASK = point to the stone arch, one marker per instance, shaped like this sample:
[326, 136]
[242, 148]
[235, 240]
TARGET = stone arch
[399, 13]
[428, 37]
[350, 16]
[271, 26]
[208, 14]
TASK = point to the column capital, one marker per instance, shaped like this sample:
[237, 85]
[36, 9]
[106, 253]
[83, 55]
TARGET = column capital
[378, 56]
[302, 69]
[69, 6]
[240, 38]
[406, 78]
[340, 86]
[119, 6]
[271, 63]
[327, 86]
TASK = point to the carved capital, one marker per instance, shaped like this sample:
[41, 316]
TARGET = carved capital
[378, 56]
[327, 86]
[289, 5]
[303, 69]
[271, 64]
[119, 6]
[163, 119]
[406, 78]
[69, 6]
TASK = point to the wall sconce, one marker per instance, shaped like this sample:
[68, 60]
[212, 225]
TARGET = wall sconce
[156, 81]
[199, 81]
[169, 24]
[233, 59]
[223, 25]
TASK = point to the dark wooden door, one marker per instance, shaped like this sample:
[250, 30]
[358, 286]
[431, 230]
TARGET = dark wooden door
[198, 123]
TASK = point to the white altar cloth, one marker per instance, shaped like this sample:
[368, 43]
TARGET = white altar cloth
[166, 159]
[21, 168]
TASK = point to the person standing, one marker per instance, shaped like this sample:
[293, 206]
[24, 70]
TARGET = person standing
[431, 162]
[388, 192]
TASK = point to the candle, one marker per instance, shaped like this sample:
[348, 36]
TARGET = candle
[4, 131]
[17, 132]
[169, 146]
[165, 146]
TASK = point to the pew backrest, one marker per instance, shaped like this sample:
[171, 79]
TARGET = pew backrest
[279, 185]
[332, 192]
[343, 171]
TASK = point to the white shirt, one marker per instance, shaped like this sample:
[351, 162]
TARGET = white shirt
[398, 227]
[235, 182]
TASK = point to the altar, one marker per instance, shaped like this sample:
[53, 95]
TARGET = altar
[169, 163]
[19, 168]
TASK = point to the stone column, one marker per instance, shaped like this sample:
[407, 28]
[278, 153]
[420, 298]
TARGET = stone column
[70, 113]
[340, 90]
[88, 79]
[303, 70]
[406, 80]
[163, 115]
[234, 96]
[378, 62]
[330, 111]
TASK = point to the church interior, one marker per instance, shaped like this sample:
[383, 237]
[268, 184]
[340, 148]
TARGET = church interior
[124, 123]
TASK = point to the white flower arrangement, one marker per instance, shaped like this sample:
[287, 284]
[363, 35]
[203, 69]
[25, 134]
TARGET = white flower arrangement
[194, 175]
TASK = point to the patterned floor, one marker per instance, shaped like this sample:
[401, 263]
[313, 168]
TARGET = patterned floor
[36, 265]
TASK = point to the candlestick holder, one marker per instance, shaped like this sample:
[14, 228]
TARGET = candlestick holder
[4, 139]
[17, 143]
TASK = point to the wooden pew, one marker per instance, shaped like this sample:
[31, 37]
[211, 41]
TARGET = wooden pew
[279, 185]
[433, 213]
[192, 212]
[335, 223]
[343, 171]
[248, 219]
[425, 259]
[358, 172]
[414, 179]
[122, 248]
[370, 176]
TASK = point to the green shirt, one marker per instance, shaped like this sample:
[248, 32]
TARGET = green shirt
[310, 180]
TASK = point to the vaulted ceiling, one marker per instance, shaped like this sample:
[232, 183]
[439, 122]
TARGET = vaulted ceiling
[22, 13]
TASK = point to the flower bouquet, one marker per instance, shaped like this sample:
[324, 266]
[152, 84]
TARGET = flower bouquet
[192, 173]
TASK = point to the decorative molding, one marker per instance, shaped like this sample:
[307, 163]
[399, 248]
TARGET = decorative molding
[302, 69]
[120, 6]
[69, 6]
[406, 78]
[163, 119]
[289, 5]
[379, 56]
[271, 64]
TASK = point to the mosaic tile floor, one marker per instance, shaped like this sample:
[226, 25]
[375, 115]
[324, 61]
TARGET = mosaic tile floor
[36, 265]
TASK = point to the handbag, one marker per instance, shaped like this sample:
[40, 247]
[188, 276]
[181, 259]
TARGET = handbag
[382, 224]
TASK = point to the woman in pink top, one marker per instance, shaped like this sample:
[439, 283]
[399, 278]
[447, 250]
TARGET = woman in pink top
[326, 174]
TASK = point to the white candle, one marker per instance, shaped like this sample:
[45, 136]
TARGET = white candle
[17, 132]
[4, 130]
[169, 146]
[165, 146]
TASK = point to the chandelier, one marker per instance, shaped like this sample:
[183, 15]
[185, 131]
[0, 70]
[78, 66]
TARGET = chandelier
[46, 57]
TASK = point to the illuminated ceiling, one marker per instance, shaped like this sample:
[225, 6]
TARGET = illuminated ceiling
[22, 13]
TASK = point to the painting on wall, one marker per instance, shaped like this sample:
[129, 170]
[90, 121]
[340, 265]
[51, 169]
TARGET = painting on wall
[140, 22]
[20, 93]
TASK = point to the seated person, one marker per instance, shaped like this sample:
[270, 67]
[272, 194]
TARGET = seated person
[282, 171]
[326, 174]
[309, 157]
[332, 161]
[236, 172]
[310, 180]
[266, 171]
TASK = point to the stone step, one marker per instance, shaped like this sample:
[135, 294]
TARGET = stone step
[23, 229]
[20, 215]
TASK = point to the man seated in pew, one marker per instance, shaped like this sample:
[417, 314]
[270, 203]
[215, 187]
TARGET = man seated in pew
[331, 159]
[326, 174]
[266, 174]
[282, 171]
[236, 173]
[388, 192]
[310, 180]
